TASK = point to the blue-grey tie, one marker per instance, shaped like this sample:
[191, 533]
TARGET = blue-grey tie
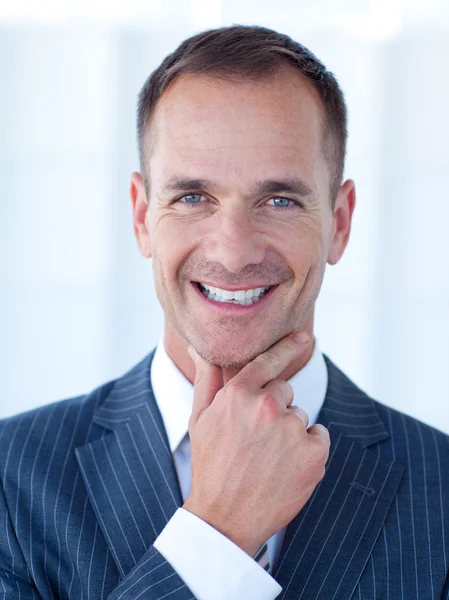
[262, 558]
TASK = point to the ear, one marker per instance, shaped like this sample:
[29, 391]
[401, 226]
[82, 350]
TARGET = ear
[342, 219]
[139, 202]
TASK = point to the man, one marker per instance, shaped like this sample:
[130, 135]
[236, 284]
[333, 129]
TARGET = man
[236, 460]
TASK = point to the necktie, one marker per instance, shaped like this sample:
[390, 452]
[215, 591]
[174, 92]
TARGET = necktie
[261, 557]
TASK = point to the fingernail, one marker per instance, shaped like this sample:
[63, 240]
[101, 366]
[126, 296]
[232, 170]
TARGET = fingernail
[302, 337]
[192, 352]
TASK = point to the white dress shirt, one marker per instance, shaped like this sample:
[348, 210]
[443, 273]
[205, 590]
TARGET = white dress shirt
[213, 567]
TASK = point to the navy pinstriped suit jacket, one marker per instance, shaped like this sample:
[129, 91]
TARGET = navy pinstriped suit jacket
[87, 485]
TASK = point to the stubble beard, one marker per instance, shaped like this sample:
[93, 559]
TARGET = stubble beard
[210, 346]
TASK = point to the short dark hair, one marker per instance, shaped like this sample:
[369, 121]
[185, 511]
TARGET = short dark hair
[250, 53]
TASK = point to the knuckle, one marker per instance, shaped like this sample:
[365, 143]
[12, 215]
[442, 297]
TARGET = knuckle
[268, 406]
[297, 424]
[303, 417]
[234, 388]
[324, 430]
[319, 473]
[321, 434]
[267, 359]
[302, 414]
[322, 453]
[267, 398]
[286, 387]
[315, 471]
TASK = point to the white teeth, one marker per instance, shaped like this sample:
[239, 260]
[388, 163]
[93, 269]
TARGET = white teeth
[240, 295]
[243, 297]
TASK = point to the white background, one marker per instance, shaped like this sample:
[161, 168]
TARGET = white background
[77, 305]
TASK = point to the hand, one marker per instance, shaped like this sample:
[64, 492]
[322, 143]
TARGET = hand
[254, 462]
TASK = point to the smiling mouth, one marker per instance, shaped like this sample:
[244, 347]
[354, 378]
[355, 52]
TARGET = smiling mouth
[244, 297]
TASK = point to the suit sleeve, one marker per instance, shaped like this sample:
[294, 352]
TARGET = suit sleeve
[210, 563]
[15, 578]
[14, 588]
[445, 594]
[152, 578]
[191, 560]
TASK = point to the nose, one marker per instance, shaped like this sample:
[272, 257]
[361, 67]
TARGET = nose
[235, 241]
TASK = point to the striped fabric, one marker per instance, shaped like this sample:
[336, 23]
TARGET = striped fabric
[262, 558]
[87, 484]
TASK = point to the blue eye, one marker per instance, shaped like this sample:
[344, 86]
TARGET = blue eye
[191, 198]
[280, 202]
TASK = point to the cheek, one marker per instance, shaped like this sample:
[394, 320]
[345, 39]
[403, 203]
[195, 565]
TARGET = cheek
[171, 247]
[303, 248]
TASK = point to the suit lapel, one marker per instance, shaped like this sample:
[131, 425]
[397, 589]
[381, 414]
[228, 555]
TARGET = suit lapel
[128, 472]
[133, 488]
[329, 542]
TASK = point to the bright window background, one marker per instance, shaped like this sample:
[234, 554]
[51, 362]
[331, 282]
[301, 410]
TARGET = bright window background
[77, 304]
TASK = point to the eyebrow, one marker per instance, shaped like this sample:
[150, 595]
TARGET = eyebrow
[178, 183]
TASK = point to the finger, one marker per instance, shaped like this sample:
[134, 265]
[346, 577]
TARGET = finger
[228, 373]
[281, 390]
[320, 431]
[269, 364]
[208, 381]
[297, 410]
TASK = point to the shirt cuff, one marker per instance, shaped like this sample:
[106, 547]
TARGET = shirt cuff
[212, 566]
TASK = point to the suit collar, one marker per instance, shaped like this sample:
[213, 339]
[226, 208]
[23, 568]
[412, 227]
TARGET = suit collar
[350, 410]
[129, 394]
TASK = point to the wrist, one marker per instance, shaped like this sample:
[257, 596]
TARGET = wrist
[233, 531]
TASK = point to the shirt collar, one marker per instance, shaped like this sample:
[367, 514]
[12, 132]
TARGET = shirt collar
[174, 392]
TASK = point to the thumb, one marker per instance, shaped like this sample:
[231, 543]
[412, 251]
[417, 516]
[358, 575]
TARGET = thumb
[208, 381]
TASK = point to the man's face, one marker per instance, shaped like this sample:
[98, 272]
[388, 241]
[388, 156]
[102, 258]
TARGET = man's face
[238, 200]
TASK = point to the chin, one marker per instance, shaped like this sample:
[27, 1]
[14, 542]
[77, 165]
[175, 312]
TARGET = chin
[227, 361]
[229, 355]
[231, 362]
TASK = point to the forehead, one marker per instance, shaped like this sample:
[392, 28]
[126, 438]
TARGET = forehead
[229, 127]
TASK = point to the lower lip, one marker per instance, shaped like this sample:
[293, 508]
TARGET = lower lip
[228, 307]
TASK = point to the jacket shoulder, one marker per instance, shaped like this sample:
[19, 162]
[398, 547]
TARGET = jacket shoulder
[396, 421]
[55, 423]
[421, 448]
[400, 426]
